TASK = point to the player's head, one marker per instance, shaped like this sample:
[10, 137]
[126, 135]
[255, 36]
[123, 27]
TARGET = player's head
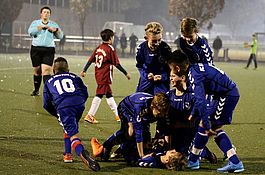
[189, 29]
[107, 35]
[153, 34]
[45, 13]
[254, 35]
[60, 65]
[175, 160]
[160, 105]
[178, 63]
[178, 82]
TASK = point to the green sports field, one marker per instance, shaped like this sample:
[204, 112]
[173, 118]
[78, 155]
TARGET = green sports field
[31, 141]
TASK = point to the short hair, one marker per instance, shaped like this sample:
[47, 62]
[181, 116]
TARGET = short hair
[188, 26]
[45, 7]
[176, 163]
[154, 28]
[162, 103]
[106, 34]
[180, 59]
[60, 65]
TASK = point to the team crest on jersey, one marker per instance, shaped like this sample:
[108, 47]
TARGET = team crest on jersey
[187, 105]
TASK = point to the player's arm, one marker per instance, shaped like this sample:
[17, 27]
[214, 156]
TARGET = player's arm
[137, 126]
[120, 68]
[83, 73]
[34, 29]
[82, 88]
[47, 102]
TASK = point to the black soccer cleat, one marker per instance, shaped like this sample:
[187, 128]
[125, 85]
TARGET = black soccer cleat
[210, 156]
[89, 161]
[35, 93]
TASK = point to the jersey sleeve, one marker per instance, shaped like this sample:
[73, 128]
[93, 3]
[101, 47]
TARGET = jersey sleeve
[113, 56]
[47, 101]
[33, 30]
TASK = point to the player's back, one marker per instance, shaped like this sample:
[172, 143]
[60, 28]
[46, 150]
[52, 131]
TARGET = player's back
[65, 89]
[213, 80]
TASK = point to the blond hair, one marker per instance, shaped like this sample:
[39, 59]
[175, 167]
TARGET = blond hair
[154, 28]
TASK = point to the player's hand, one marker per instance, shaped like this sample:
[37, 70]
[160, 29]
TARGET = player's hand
[130, 129]
[150, 76]
[83, 74]
[157, 77]
[190, 117]
[52, 29]
[128, 76]
[211, 132]
[42, 27]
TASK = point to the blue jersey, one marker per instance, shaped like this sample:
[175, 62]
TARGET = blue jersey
[155, 62]
[152, 161]
[43, 38]
[199, 52]
[62, 91]
[136, 109]
[207, 79]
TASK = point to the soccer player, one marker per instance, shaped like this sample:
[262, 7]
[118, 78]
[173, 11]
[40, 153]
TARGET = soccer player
[43, 31]
[136, 111]
[196, 48]
[64, 96]
[151, 61]
[205, 79]
[104, 57]
[253, 54]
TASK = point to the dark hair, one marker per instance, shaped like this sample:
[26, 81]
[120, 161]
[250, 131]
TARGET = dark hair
[188, 26]
[180, 59]
[60, 65]
[45, 7]
[106, 34]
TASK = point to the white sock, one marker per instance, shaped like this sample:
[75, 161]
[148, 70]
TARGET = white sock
[94, 106]
[112, 104]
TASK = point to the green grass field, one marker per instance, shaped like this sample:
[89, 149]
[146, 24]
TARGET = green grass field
[31, 141]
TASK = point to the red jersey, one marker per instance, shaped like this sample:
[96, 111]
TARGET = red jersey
[104, 57]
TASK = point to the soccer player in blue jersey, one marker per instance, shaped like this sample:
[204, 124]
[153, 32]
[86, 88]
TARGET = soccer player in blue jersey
[205, 79]
[43, 31]
[136, 111]
[64, 96]
[195, 47]
[151, 61]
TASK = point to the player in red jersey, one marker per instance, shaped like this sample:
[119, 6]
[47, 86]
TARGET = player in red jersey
[104, 57]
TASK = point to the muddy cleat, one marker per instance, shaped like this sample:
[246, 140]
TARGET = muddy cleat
[90, 119]
[67, 158]
[117, 118]
[35, 93]
[231, 168]
[97, 148]
[89, 161]
[194, 165]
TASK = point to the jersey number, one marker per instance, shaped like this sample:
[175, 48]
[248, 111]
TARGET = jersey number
[99, 60]
[65, 85]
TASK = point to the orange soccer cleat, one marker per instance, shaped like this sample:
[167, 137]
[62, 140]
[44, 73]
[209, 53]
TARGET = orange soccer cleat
[90, 119]
[97, 148]
[117, 118]
[67, 158]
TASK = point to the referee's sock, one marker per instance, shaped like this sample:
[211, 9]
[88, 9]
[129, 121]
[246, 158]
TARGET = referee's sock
[45, 77]
[37, 82]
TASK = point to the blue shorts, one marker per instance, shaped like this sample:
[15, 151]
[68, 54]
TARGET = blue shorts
[70, 117]
[220, 110]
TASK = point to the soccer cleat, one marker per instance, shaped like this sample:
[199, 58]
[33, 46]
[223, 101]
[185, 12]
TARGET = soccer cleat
[35, 93]
[89, 161]
[117, 118]
[232, 168]
[194, 165]
[90, 119]
[97, 148]
[116, 154]
[210, 156]
[67, 158]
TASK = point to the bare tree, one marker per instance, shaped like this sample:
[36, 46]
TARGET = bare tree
[203, 10]
[81, 9]
[9, 11]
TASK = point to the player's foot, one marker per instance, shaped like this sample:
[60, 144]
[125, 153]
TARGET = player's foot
[35, 93]
[97, 148]
[117, 118]
[231, 168]
[89, 161]
[194, 165]
[90, 119]
[67, 158]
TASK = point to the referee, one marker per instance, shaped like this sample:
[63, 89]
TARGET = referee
[43, 31]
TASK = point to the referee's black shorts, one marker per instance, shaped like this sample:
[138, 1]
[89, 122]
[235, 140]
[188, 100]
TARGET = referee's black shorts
[42, 55]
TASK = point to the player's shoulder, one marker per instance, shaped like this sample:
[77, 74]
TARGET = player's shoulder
[111, 47]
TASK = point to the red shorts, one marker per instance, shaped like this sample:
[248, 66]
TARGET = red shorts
[103, 89]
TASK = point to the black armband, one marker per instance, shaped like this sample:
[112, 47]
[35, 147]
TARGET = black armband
[120, 68]
[87, 66]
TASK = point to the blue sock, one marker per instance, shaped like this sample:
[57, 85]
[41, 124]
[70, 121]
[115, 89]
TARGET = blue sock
[201, 139]
[224, 143]
[67, 144]
[77, 146]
